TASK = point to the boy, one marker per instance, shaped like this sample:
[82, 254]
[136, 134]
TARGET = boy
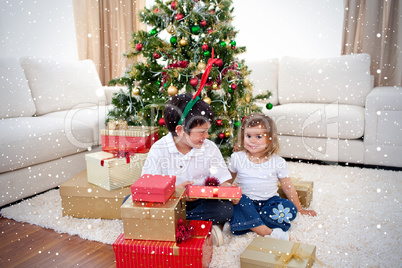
[187, 153]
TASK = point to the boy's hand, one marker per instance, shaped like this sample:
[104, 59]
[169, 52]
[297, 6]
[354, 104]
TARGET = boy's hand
[184, 185]
[308, 212]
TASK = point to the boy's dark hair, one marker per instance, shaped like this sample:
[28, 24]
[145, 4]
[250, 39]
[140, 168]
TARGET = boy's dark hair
[201, 113]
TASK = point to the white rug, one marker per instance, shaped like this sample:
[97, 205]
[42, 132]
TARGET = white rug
[359, 212]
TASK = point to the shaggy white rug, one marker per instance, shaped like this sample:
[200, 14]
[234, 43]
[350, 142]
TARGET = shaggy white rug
[359, 211]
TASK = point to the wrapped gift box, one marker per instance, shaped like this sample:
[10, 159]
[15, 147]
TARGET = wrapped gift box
[195, 252]
[81, 199]
[153, 188]
[304, 190]
[135, 139]
[154, 221]
[111, 172]
[213, 192]
[269, 252]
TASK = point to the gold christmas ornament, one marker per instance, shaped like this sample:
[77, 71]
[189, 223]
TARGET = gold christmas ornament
[201, 66]
[135, 91]
[248, 99]
[228, 44]
[171, 29]
[227, 134]
[246, 82]
[183, 42]
[207, 100]
[172, 90]
[215, 86]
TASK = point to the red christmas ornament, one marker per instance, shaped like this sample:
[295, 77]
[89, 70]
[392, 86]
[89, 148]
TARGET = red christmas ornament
[204, 47]
[173, 5]
[138, 47]
[193, 82]
[156, 55]
[162, 121]
[233, 86]
[156, 10]
[209, 31]
[221, 136]
[203, 23]
[219, 122]
[219, 63]
[179, 17]
[212, 181]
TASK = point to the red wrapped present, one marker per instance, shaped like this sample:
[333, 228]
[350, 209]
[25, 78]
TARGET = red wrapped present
[213, 192]
[194, 252]
[134, 139]
[153, 188]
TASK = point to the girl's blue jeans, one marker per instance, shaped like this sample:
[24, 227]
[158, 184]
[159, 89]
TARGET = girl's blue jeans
[275, 212]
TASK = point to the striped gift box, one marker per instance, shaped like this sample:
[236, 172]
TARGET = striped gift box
[135, 139]
[110, 172]
[195, 252]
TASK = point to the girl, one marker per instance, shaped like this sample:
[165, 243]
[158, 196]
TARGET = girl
[258, 170]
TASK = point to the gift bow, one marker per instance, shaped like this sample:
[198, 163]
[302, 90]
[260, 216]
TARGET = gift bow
[284, 257]
[119, 124]
[119, 154]
[295, 253]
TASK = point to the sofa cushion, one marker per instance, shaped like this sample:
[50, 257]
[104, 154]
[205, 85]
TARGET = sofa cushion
[345, 79]
[16, 98]
[319, 120]
[264, 76]
[58, 86]
[27, 141]
[94, 117]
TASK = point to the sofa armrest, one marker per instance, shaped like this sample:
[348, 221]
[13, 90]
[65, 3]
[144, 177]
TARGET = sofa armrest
[111, 90]
[383, 116]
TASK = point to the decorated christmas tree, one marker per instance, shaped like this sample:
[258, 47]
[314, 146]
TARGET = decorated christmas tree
[183, 36]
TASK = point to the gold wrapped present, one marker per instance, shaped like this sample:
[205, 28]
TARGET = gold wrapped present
[81, 199]
[152, 220]
[269, 252]
[304, 190]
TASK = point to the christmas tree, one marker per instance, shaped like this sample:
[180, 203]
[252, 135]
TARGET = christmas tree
[182, 37]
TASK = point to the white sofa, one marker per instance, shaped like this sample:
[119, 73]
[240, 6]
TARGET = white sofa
[51, 113]
[326, 109]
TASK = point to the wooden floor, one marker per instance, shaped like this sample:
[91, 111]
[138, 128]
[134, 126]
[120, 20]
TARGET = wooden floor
[26, 245]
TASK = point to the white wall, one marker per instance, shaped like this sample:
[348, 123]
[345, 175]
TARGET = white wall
[268, 28]
[42, 28]
[276, 28]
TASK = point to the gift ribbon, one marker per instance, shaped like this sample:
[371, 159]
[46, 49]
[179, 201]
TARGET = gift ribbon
[196, 97]
[119, 154]
[215, 192]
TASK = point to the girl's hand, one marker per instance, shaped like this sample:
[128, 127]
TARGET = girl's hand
[308, 212]
[235, 201]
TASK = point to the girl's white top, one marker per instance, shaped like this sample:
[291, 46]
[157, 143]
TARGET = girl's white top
[258, 181]
[197, 165]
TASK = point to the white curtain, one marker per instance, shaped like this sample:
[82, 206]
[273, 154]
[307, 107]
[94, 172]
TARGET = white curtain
[103, 29]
